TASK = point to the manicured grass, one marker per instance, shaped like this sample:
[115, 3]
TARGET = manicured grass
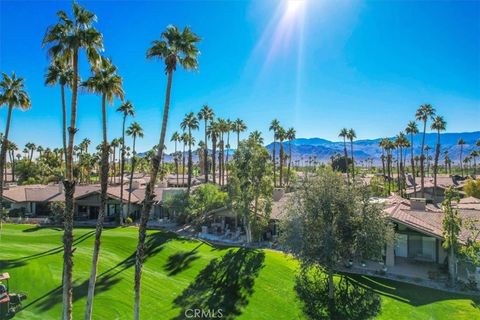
[179, 274]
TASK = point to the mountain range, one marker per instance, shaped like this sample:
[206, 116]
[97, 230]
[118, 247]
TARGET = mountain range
[369, 148]
[323, 149]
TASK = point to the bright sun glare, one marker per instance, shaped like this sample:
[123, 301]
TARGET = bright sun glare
[293, 7]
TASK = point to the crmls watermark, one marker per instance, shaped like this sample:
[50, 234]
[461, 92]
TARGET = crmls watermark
[204, 314]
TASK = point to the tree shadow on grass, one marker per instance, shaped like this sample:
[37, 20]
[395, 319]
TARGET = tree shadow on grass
[181, 261]
[37, 228]
[351, 301]
[224, 284]
[107, 279]
[415, 295]
[20, 262]
[153, 245]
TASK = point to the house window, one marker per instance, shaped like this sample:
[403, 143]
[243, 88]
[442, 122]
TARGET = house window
[113, 209]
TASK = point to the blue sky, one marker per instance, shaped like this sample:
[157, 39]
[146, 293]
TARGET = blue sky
[315, 65]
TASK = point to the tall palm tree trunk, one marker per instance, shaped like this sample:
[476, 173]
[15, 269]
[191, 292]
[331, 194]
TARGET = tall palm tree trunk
[101, 214]
[353, 161]
[346, 158]
[148, 202]
[69, 184]
[422, 160]
[176, 160]
[412, 162]
[122, 168]
[461, 158]
[214, 160]
[64, 125]
[189, 182]
[273, 160]
[281, 164]
[289, 162]
[383, 164]
[183, 165]
[130, 183]
[228, 151]
[205, 153]
[3, 158]
[435, 166]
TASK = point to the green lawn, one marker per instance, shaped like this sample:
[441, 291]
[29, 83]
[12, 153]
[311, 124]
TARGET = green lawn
[180, 273]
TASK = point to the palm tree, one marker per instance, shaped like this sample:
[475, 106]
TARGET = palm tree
[135, 131]
[389, 147]
[424, 112]
[352, 135]
[59, 72]
[176, 138]
[383, 144]
[274, 125]
[401, 141]
[344, 134]
[30, 147]
[114, 145]
[184, 139]
[461, 143]
[229, 128]
[13, 95]
[126, 109]
[412, 130]
[175, 47]
[206, 114]
[108, 84]
[439, 125]
[213, 132]
[428, 158]
[290, 136]
[239, 126]
[281, 135]
[190, 122]
[256, 136]
[12, 147]
[65, 40]
[223, 128]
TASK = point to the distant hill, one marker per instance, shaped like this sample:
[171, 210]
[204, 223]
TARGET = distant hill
[323, 149]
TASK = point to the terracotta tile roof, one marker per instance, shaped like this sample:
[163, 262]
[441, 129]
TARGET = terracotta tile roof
[430, 220]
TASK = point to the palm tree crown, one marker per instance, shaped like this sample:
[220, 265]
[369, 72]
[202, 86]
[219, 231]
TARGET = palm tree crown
[13, 92]
[105, 81]
[176, 47]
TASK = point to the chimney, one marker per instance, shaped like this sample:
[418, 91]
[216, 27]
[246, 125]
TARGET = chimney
[278, 194]
[135, 184]
[418, 204]
[60, 187]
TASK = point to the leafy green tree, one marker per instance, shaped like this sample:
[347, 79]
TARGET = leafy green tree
[472, 188]
[327, 223]
[250, 189]
[452, 225]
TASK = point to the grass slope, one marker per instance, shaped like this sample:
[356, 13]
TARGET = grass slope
[181, 273]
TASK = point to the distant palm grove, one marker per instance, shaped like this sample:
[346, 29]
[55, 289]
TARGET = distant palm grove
[206, 145]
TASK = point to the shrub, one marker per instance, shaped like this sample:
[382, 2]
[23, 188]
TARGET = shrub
[472, 188]
[57, 211]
